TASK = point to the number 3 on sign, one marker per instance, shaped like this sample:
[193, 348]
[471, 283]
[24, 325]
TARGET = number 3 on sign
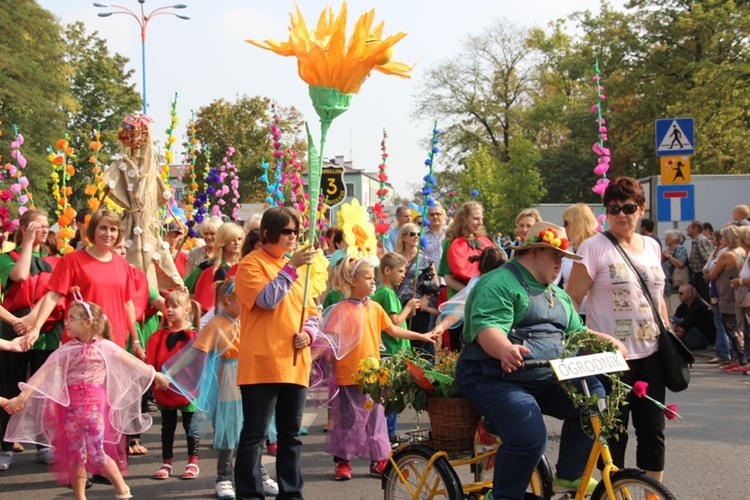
[332, 188]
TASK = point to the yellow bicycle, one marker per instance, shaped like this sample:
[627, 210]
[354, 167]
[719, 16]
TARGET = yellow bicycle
[418, 472]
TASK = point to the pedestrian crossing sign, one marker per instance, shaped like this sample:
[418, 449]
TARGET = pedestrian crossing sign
[675, 136]
[675, 169]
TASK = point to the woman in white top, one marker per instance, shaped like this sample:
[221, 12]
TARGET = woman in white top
[617, 306]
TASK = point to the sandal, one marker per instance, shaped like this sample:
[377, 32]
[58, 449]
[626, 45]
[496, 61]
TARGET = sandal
[164, 472]
[136, 448]
[191, 471]
[124, 496]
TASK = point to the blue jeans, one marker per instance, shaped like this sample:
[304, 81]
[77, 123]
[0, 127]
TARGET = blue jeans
[515, 409]
[258, 404]
[392, 421]
[723, 351]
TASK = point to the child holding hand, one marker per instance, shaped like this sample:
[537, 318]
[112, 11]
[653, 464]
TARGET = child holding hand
[83, 400]
[179, 314]
[357, 431]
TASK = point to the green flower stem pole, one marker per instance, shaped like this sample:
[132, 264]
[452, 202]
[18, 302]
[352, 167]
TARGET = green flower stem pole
[328, 103]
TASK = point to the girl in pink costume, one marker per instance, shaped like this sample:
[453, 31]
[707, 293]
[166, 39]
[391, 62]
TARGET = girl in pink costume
[82, 400]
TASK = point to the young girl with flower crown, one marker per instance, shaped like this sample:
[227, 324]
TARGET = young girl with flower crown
[83, 400]
[180, 313]
[358, 431]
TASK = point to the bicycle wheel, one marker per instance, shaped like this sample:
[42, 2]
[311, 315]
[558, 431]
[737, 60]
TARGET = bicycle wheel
[540, 483]
[633, 484]
[441, 482]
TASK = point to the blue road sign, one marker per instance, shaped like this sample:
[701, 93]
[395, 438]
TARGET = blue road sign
[675, 202]
[675, 137]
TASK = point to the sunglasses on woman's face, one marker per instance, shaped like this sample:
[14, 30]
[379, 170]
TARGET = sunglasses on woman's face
[287, 232]
[412, 234]
[628, 209]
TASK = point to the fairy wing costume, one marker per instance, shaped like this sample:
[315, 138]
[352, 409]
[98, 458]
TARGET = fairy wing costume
[97, 372]
[205, 372]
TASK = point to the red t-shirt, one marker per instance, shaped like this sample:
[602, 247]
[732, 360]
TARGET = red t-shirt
[107, 284]
[180, 261]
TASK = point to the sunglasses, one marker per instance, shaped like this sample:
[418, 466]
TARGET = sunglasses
[287, 232]
[412, 234]
[680, 293]
[628, 209]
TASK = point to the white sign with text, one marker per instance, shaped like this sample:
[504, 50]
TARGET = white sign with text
[591, 364]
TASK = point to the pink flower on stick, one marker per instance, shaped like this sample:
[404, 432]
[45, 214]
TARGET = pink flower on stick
[671, 412]
[639, 388]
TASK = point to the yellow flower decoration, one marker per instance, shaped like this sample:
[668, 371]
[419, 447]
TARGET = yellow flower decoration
[359, 233]
[323, 57]
[318, 273]
[369, 405]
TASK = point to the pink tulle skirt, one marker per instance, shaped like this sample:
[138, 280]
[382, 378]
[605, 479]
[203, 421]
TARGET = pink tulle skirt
[84, 435]
[357, 431]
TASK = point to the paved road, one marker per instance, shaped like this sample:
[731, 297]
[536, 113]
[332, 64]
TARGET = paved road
[707, 454]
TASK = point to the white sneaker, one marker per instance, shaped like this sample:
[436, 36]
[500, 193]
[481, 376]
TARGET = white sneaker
[270, 488]
[6, 458]
[224, 490]
[44, 456]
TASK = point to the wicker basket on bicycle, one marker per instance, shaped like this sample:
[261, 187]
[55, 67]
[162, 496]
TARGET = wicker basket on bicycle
[453, 423]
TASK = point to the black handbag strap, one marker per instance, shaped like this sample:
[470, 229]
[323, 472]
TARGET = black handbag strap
[644, 287]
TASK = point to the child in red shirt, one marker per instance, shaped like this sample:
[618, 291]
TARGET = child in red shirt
[180, 313]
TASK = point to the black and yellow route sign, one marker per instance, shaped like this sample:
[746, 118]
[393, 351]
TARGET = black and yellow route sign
[332, 186]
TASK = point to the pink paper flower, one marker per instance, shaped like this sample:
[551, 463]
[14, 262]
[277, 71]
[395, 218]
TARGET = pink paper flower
[671, 412]
[639, 388]
[601, 186]
[15, 188]
[601, 169]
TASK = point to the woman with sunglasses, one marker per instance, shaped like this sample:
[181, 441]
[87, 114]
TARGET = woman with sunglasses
[423, 287]
[617, 306]
[270, 288]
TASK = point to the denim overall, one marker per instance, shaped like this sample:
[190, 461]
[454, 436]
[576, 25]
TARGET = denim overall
[514, 403]
[542, 331]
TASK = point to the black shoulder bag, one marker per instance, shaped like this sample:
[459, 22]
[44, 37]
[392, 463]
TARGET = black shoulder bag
[675, 356]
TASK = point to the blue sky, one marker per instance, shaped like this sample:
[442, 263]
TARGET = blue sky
[206, 58]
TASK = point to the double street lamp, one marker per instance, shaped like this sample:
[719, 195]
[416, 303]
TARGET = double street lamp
[142, 21]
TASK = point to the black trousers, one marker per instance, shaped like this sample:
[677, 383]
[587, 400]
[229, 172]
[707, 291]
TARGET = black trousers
[648, 419]
[168, 429]
[258, 404]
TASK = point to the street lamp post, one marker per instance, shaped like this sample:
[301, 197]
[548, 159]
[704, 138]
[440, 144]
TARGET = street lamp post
[142, 21]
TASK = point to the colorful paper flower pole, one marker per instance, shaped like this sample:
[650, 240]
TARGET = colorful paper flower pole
[334, 72]
[66, 213]
[381, 226]
[21, 187]
[168, 155]
[603, 160]
[429, 183]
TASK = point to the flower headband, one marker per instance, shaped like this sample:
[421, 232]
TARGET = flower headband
[549, 237]
[76, 291]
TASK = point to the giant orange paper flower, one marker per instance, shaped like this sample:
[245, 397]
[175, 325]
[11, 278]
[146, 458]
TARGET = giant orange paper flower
[323, 57]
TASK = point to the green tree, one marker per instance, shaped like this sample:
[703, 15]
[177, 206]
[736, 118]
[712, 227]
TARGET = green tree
[101, 96]
[33, 91]
[245, 125]
[504, 188]
[478, 94]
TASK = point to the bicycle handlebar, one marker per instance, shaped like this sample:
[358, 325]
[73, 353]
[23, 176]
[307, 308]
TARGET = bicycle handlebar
[530, 364]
